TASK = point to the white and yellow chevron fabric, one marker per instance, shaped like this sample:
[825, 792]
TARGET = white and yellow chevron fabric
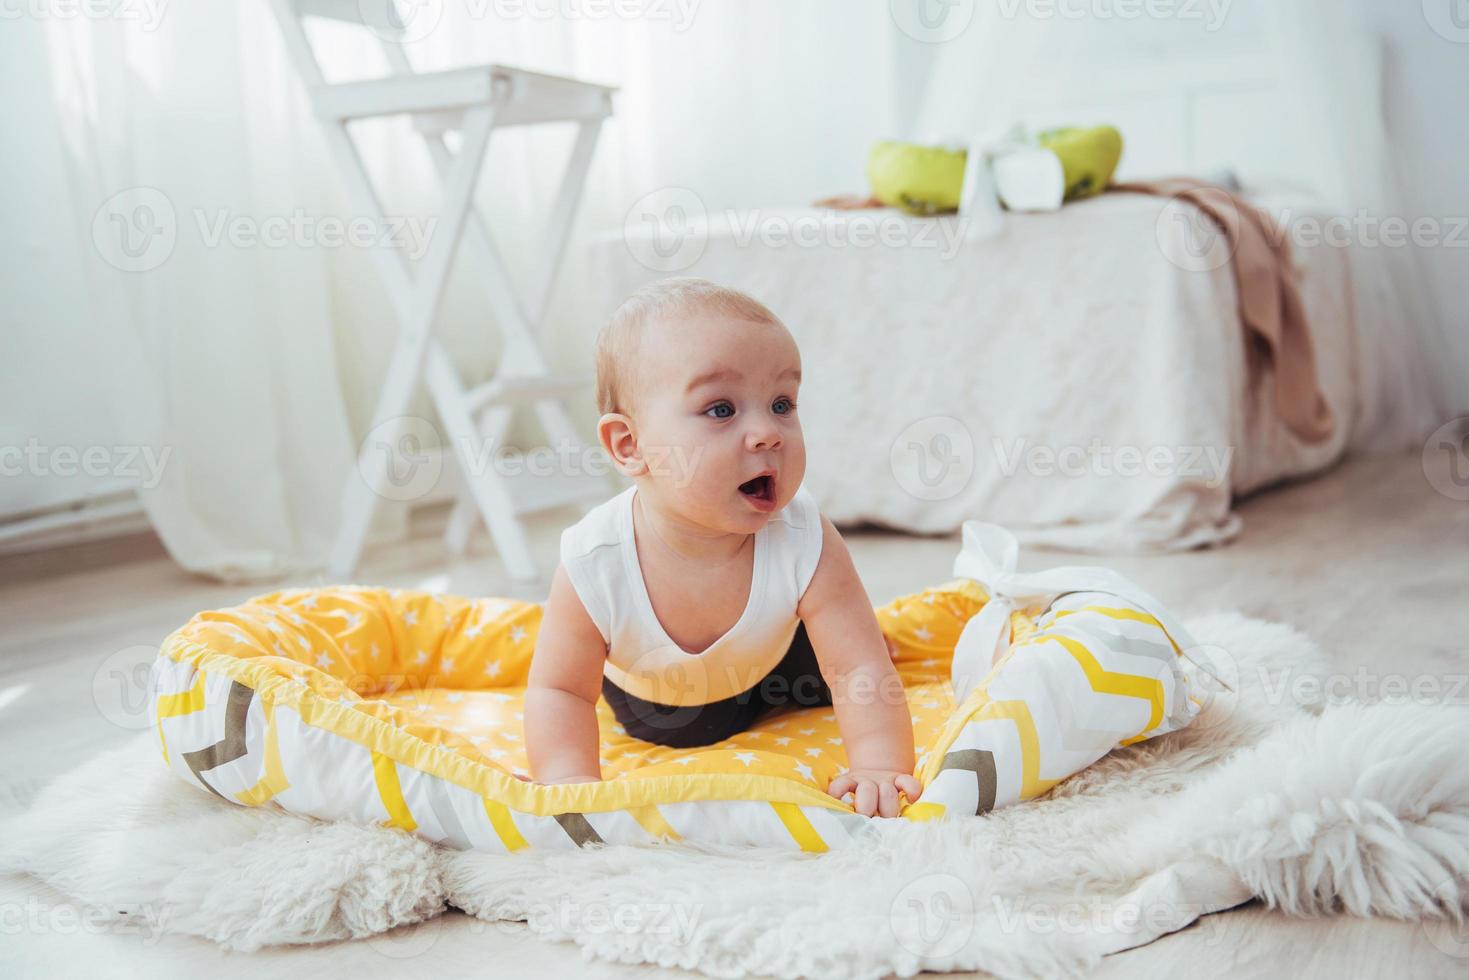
[405, 708]
[1095, 673]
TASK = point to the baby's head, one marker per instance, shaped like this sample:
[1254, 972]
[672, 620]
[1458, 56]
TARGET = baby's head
[697, 384]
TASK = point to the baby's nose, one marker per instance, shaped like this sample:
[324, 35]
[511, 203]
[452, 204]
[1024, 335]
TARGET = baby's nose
[763, 437]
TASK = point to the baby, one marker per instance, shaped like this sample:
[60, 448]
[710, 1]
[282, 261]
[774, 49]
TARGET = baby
[712, 590]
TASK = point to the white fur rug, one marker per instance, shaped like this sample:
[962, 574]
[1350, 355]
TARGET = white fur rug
[1358, 810]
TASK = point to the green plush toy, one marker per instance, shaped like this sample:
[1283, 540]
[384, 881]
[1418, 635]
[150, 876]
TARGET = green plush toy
[929, 179]
[918, 179]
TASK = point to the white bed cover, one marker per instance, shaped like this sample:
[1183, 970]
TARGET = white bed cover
[1080, 378]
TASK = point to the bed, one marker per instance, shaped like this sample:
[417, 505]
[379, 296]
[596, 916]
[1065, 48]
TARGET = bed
[1080, 378]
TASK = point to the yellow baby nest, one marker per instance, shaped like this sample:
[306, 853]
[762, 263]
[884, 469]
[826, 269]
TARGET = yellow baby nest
[405, 708]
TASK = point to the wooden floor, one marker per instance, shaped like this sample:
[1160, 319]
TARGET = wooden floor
[1368, 559]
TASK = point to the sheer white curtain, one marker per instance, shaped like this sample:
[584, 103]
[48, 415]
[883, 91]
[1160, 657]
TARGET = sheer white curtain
[255, 363]
[219, 354]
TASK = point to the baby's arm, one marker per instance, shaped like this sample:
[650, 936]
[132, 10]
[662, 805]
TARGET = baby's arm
[561, 736]
[871, 705]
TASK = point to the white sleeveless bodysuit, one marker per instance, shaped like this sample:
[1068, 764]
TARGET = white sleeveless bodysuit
[601, 561]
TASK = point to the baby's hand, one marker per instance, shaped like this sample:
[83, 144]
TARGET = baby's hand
[876, 790]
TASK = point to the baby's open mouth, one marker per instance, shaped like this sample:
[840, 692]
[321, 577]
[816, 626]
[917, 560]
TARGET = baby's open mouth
[761, 488]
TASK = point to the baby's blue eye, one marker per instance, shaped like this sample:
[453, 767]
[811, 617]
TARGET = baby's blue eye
[724, 407]
[789, 406]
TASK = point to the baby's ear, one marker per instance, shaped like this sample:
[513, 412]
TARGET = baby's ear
[615, 431]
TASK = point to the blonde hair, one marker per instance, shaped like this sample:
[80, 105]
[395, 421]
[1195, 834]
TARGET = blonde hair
[619, 339]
